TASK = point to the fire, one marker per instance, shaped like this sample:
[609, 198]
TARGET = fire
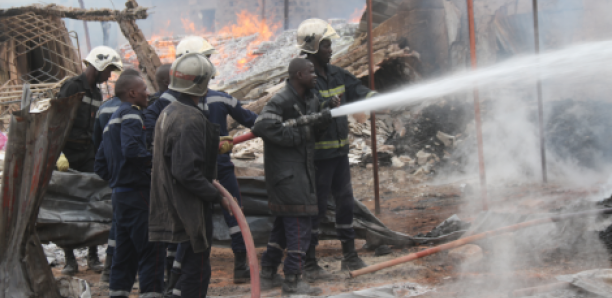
[356, 15]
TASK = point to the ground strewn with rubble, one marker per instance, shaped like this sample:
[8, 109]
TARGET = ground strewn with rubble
[416, 206]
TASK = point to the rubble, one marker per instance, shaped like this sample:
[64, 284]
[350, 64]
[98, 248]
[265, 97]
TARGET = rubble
[466, 254]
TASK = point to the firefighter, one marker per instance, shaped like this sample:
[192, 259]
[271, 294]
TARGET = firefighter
[184, 158]
[124, 161]
[314, 38]
[162, 77]
[102, 117]
[290, 177]
[79, 151]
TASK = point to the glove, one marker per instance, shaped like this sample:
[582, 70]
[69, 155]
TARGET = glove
[227, 144]
[62, 163]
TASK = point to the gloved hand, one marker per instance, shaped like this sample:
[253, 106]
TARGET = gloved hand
[227, 144]
[62, 163]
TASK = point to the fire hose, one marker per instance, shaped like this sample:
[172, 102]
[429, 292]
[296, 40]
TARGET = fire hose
[297, 122]
[248, 240]
[470, 239]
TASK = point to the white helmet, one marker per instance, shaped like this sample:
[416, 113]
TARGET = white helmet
[190, 74]
[194, 44]
[102, 57]
[311, 32]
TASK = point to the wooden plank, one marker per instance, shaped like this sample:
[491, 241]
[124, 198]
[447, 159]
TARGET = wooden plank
[78, 13]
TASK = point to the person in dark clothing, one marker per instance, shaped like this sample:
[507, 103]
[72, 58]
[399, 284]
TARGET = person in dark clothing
[79, 150]
[124, 161]
[331, 151]
[102, 117]
[290, 177]
[184, 156]
[162, 77]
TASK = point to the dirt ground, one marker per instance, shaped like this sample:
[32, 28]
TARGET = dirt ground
[416, 205]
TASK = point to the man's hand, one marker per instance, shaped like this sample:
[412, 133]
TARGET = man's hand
[62, 163]
[227, 144]
[335, 101]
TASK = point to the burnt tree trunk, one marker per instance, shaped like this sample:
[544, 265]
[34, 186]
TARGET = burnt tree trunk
[35, 143]
[147, 57]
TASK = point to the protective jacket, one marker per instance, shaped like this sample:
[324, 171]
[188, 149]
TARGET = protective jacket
[334, 141]
[123, 159]
[185, 153]
[156, 107]
[102, 117]
[79, 148]
[219, 106]
[289, 153]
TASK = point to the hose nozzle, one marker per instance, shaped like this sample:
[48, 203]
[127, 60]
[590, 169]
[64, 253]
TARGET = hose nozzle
[320, 117]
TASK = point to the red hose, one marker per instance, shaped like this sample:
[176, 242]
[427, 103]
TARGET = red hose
[248, 238]
[240, 139]
[457, 243]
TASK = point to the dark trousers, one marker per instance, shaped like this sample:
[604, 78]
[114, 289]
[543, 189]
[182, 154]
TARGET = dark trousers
[334, 177]
[81, 157]
[134, 253]
[195, 267]
[293, 234]
[227, 178]
[112, 243]
[179, 257]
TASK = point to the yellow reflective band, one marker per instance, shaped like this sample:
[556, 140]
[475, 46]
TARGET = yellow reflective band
[333, 92]
[331, 144]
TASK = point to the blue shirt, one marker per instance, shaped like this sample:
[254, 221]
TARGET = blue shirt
[219, 106]
[102, 117]
[123, 159]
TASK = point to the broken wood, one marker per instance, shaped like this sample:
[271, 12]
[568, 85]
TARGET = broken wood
[36, 142]
[147, 57]
[104, 14]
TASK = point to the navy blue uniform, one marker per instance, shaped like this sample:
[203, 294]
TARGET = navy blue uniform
[102, 117]
[124, 161]
[219, 106]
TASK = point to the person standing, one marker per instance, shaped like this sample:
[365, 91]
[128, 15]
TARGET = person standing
[333, 174]
[102, 117]
[79, 150]
[184, 158]
[124, 161]
[290, 177]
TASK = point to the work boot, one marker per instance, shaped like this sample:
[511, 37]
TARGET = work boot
[107, 268]
[71, 267]
[294, 285]
[269, 279]
[172, 280]
[312, 270]
[242, 272]
[351, 260]
[93, 261]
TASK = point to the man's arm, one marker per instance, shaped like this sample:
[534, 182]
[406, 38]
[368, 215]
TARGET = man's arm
[100, 165]
[133, 145]
[188, 159]
[269, 126]
[97, 131]
[243, 116]
[355, 90]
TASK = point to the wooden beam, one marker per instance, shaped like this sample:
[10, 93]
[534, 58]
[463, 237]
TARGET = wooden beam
[78, 13]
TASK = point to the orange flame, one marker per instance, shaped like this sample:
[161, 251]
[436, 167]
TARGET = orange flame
[357, 14]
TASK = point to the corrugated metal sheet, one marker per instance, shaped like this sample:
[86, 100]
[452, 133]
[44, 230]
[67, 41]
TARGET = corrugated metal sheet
[382, 10]
[35, 142]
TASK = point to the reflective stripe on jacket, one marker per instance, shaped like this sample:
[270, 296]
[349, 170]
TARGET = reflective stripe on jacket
[334, 142]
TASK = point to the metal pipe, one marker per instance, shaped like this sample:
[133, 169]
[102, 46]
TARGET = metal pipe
[481, 162]
[470, 239]
[372, 114]
[536, 31]
[86, 29]
[541, 289]
[248, 239]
